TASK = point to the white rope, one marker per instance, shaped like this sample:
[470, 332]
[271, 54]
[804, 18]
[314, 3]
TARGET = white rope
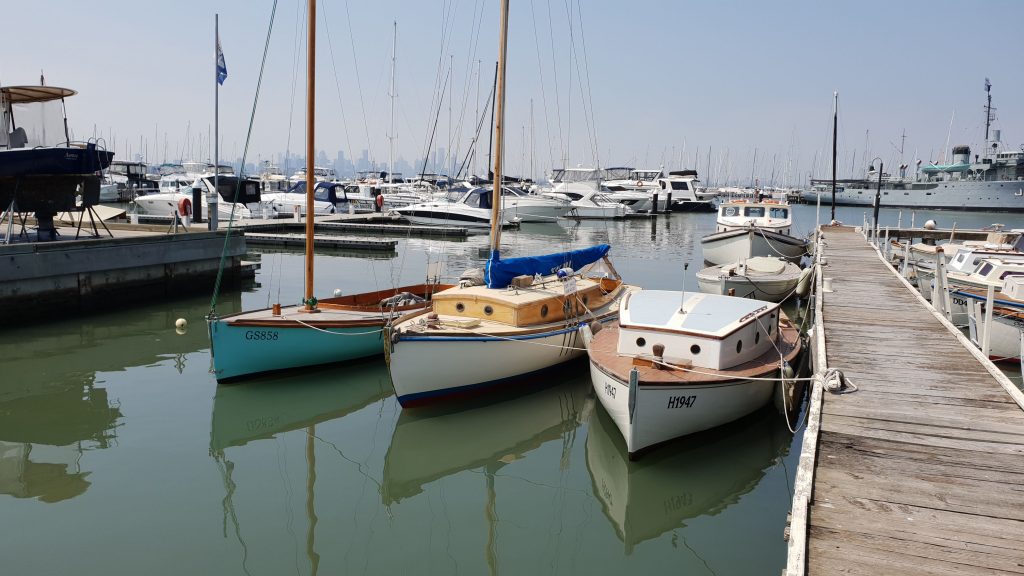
[336, 333]
[835, 382]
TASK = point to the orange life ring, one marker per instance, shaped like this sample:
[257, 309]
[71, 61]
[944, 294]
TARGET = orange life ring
[184, 207]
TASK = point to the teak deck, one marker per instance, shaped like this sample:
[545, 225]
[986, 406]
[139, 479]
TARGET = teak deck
[920, 471]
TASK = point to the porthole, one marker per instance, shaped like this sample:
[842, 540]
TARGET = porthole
[770, 326]
[757, 337]
[544, 311]
[585, 298]
[739, 346]
[488, 310]
[460, 307]
[641, 342]
[695, 349]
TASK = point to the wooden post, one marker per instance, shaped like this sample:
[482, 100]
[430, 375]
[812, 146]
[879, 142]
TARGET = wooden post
[986, 333]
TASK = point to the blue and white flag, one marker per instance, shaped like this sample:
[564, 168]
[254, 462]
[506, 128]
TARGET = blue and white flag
[222, 68]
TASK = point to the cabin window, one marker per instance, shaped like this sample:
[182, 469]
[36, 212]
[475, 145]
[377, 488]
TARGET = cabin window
[695, 349]
[544, 311]
[778, 212]
[460, 307]
[680, 186]
[585, 298]
[754, 211]
[730, 211]
[985, 269]
[739, 346]
[1009, 273]
[757, 337]
[488, 310]
[640, 342]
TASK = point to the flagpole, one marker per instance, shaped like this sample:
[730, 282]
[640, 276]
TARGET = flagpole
[216, 122]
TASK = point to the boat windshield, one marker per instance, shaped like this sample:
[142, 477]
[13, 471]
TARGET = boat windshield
[647, 175]
[754, 211]
[581, 175]
[778, 212]
[618, 174]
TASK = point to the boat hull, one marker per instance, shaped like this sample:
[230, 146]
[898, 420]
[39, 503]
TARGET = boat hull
[978, 195]
[245, 350]
[56, 161]
[663, 412]
[484, 362]
[734, 245]
[769, 290]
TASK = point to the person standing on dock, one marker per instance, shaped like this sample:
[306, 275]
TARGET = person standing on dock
[378, 202]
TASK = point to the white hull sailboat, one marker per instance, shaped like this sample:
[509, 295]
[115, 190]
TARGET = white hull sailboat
[679, 363]
[525, 320]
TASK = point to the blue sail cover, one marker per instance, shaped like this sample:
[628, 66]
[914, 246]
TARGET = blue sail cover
[499, 273]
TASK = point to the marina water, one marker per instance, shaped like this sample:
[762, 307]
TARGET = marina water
[120, 454]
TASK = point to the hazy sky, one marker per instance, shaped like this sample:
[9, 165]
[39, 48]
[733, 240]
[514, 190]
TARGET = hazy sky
[641, 83]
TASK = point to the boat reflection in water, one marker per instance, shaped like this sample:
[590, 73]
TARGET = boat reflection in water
[266, 406]
[53, 408]
[436, 441]
[699, 475]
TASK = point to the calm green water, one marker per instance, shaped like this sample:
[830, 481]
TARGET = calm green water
[119, 454]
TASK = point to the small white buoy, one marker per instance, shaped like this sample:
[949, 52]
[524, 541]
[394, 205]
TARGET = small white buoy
[804, 283]
[929, 225]
[826, 285]
[181, 324]
[337, 292]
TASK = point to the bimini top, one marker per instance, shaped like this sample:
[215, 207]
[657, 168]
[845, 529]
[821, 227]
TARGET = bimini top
[32, 94]
[709, 315]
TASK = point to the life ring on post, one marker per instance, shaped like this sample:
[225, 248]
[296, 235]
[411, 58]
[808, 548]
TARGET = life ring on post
[184, 207]
[640, 183]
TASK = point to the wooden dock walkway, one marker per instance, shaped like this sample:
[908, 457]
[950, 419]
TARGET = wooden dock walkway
[921, 470]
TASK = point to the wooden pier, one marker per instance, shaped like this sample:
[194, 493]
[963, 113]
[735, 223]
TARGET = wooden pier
[921, 469]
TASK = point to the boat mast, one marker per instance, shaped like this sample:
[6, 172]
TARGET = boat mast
[988, 111]
[391, 137]
[835, 134]
[308, 301]
[490, 137]
[499, 126]
[213, 200]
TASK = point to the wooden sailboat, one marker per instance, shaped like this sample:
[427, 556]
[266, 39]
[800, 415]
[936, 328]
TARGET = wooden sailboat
[525, 320]
[314, 332]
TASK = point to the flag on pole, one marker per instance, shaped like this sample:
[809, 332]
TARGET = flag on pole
[222, 68]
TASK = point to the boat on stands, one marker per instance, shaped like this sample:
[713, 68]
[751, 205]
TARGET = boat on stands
[313, 332]
[682, 362]
[519, 320]
[760, 278]
[41, 169]
[749, 228]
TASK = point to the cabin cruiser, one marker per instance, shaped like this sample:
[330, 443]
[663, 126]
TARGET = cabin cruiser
[686, 194]
[525, 207]
[179, 200]
[455, 208]
[320, 174]
[283, 204]
[746, 229]
[677, 363]
[273, 178]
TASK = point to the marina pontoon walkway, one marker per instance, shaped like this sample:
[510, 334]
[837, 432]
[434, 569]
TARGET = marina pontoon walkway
[921, 470]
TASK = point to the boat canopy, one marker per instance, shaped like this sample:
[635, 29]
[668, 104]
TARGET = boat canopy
[933, 168]
[499, 273]
[33, 94]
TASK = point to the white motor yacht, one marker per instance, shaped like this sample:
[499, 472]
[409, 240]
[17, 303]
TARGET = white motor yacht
[471, 208]
[285, 204]
[176, 198]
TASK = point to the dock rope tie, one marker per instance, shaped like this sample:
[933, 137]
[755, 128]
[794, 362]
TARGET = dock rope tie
[835, 382]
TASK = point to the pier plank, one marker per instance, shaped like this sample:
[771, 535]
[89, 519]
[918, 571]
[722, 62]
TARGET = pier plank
[921, 470]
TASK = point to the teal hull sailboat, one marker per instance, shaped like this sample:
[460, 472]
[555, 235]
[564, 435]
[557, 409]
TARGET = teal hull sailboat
[314, 332]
